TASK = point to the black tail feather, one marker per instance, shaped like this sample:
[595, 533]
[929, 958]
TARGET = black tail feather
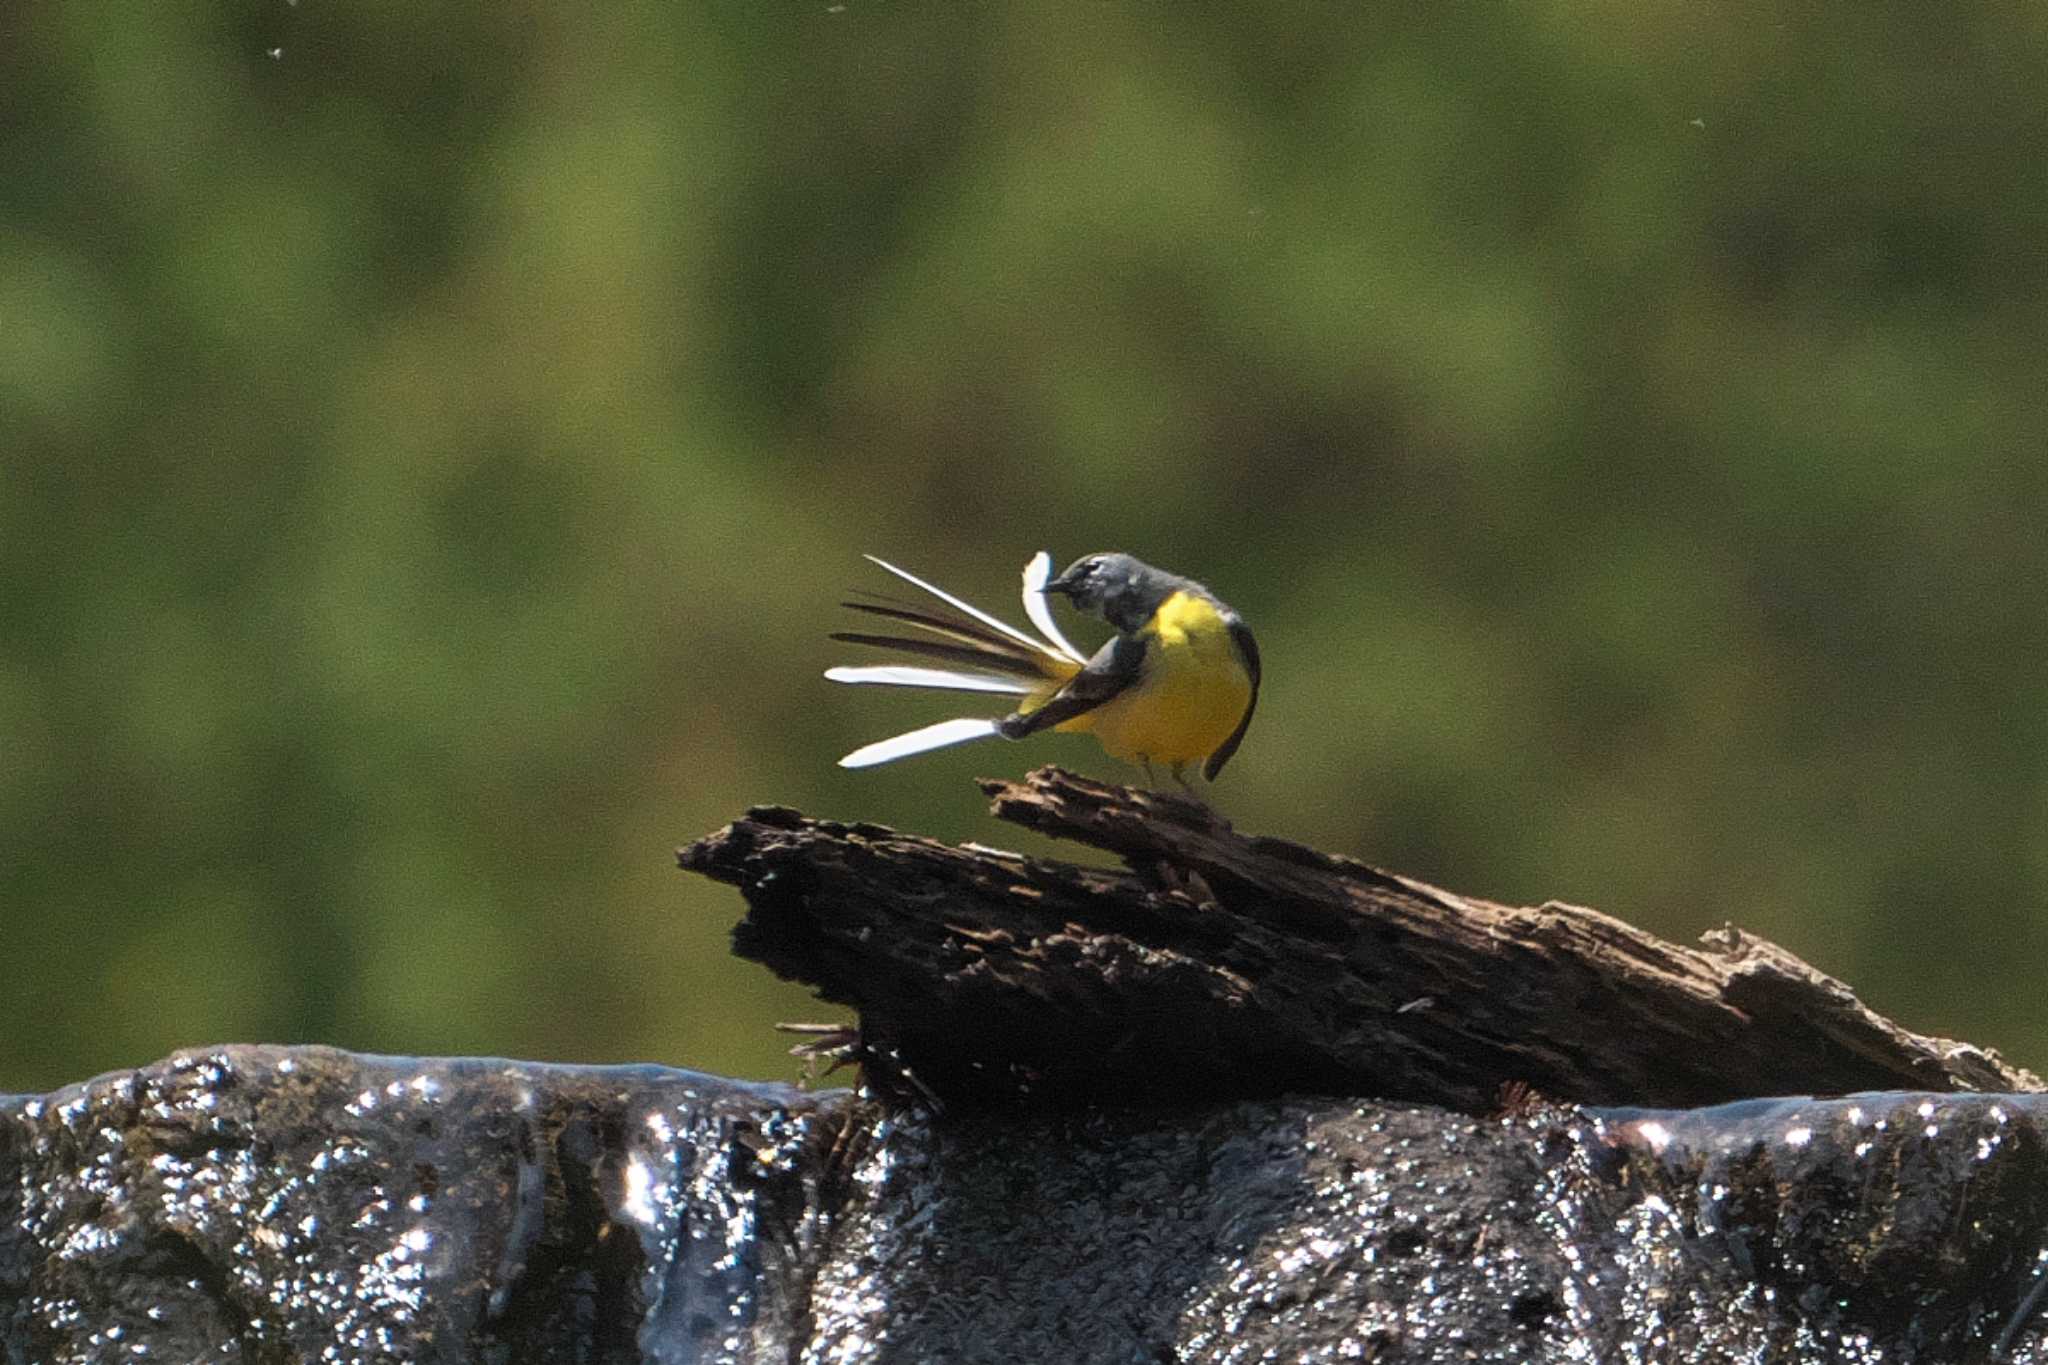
[963, 629]
[971, 656]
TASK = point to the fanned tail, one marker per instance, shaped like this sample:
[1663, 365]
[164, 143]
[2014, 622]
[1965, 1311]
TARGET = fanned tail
[979, 653]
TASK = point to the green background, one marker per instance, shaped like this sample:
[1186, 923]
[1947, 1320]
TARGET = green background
[433, 442]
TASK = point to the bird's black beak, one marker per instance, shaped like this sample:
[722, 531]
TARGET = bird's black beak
[1063, 585]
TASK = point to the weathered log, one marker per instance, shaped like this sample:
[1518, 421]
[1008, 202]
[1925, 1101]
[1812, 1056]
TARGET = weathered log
[1217, 965]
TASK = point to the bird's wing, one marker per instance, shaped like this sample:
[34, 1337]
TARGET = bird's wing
[1115, 667]
[1248, 651]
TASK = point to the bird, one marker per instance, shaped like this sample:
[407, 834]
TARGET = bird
[1177, 683]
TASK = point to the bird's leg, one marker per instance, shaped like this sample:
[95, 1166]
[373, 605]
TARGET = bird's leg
[1151, 780]
[1182, 778]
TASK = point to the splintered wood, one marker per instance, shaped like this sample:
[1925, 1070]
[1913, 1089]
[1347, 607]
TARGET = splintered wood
[1217, 965]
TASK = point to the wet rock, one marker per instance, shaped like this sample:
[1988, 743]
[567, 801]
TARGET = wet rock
[1885, 1226]
[284, 1204]
[257, 1204]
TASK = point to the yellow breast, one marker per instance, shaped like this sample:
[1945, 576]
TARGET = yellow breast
[1192, 693]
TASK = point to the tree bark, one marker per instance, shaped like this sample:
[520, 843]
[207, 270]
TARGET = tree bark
[1217, 965]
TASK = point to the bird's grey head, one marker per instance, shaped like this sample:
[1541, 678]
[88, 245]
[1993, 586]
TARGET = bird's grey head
[1122, 590]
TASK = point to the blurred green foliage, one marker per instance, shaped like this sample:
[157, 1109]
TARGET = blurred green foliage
[433, 442]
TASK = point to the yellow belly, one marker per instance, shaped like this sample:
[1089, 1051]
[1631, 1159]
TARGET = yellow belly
[1192, 694]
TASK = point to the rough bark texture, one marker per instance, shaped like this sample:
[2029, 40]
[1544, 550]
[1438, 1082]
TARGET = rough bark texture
[1218, 965]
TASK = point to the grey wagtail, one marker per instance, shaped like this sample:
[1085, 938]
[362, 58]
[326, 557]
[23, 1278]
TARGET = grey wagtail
[1176, 683]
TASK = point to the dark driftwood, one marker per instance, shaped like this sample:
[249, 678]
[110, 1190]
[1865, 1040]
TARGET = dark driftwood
[1217, 964]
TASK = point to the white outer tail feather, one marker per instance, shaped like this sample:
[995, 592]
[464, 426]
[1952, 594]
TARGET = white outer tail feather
[945, 679]
[1036, 575]
[920, 741]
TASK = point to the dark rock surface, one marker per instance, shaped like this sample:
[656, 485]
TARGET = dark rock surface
[283, 1204]
[260, 1204]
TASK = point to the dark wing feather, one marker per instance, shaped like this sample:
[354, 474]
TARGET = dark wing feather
[1248, 651]
[1115, 667]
